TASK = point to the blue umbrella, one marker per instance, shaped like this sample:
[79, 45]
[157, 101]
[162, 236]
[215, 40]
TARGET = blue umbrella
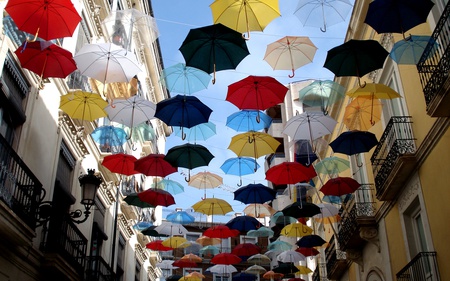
[201, 132]
[243, 223]
[239, 166]
[255, 193]
[242, 276]
[170, 186]
[409, 50]
[181, 217]
[109, 135]
[261, 232]
[310, 241]
[246, 120]
[354, 142]
[323, 93]
[184, 79]
[209, 250]
[142, 225]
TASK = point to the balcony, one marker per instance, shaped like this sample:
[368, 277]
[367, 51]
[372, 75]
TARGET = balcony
[394, 158]
[422, 267]
[358, 224]
[98, 269]
[336, 261]
[320, 273]
[434, 66]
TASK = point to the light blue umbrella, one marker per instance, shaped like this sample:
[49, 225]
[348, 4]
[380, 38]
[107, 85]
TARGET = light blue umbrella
[200, 132]
[239, 166]
[184, 79]
[261, 232]
[409, 50]
[209, 250]
[142, 225]
[180, 217]
[109, 135]
[170, 186]
[323, 93]
[279, 245]
[246, 120]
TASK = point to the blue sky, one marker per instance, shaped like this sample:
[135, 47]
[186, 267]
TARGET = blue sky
[175, 18]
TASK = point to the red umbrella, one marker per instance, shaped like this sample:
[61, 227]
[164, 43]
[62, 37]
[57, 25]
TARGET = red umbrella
[296, 279]
[340, 186]
[226, 258]
[290, 173]
[256, 92]
[307, 252]
[120, 163]
[246, 250]
[154, 165]
[46, 59]
[184, 263]
[157, 246]
[157, 197]
[46, 19]
[220, 231]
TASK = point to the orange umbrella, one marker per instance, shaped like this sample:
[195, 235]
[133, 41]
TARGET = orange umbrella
[272, 275]
[207, 241]
[360, 111]
[192, 257]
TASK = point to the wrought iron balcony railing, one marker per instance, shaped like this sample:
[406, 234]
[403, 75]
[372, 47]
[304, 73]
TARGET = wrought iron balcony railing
[19, 187]
[397, 141]
[422, 267]
[97, 269]
[336, 260]
[434, 66]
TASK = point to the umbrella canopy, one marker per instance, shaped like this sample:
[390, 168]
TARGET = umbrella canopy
[157, 197]
[374, 91]
[222, 269]
[354, 142]
[387, 16]
[258, 210]
[83, 105]
[256, 92]
[261, 232]
[208, 241]
[185, 264]
[290, 256]
[247, 120]
[322, 13]
[213, 48]
[307, 252]
[174, 242]
[166, 264]
[340, 186]
[301, 209]
[259, 259]
[46, 59]
[239, 166]
[246, 250]
[304, 153]
[272, 275]
[45, 19]
[205, 180]
[134, 200]
[245, 15]
[310, 241]
[107, 62]
[109, 136]
[290, 173]
[174, 277]
[210, 250]
[362, 113]
[327, 210]
[280, 219]
[332, 165]
[150, 231]
[157, 246]
[212, 206]
[243, 276]
[410, 50]
[256, 269]
[323, 93]
[170, 186]
[170, 228]
[226, 258]
[142, 225]
[181, 217]
[192, 257]
[298, 191]
[183, 79]
[287, 268]
[120, 163]
[290, 53]
[189, 156]
[198, 132]
[220, 231]
[132, 111]
[154, 165]
[254, 193]
[243, 223]
[279, 246]
[309, 125]
[302, 270]
[191, 247]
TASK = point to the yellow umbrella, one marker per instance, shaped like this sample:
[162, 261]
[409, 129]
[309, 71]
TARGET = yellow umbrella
[83, 105]
[195, 274]
[296, 230]
[204, 180]
[189, 278]
[192, 257]
[174, 242]
[212, 206]
[303, 269]
[245, 15]
[360, 111]
[207, 241]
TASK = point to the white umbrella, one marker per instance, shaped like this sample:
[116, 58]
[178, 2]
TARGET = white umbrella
[290, 256]
[327, 210]
[256, 269]
[132, 111]
[309, 125]
[223, 269]
[170, 229]
[166, 264]
[259, 259]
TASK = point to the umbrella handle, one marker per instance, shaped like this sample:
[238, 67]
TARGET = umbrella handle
[183, 135]
[361, 85]
[35, 36]
[293, 74]
[246, 37]
[214, 75]
[258, 118]
[188, 179]
[240, 182]
[324, 29]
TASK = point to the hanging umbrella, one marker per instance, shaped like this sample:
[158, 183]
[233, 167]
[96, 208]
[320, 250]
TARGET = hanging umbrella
[258, 210]
[239, 166]
[354, 142]
[170, 186]
[150, 231]
[290, 256]
[290, 173]
[220, 231]
[296, 278]
[410, 50]
[46, 59]
[322, 13]
[307, 252]
[109, 136]
[332, 165]
[356, 58]
[261, 232]
[279, 246]
[256, 269]
[157, 197]
[191, 247]
[362, 113]
[310, 241]
[170, 228]
[246, 120]
[195, 274]
[387, 16]
[309, 125]
[210, 250]
[213, 48]
[181, 217]
[327, 210]
[185, 264]
[245, 15]
[222, 269]
[107, 62]
[132, 111]
[120, 163]
[298, 191]
[204, 180]
[301, 209]
[189, 156]
[166, 264]
[184, 79]
[259, 259]
[83, 105]
[272, 275]
[246, 250]
[303, 152]
[212, 206]
[182, 111]
[142, 225]
[254, 193]
[192, 257]
[296, 230]
[200, 132]
[157, 246]
[290, 53]
[134, 200]
[45, 19]
[280, 219]
[302, 270]
[243, 223]
[340, 186]
[243, 276]
[174, 277]
[208, 241]
[323, 93]
[226, 258]
[154, 165]
[257, 93]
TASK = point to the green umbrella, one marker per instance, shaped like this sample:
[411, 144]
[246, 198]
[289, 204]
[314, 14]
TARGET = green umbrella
[134, 200]
[332, 165]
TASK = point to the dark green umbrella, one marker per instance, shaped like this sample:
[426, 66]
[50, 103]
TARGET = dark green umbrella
[356, 58]
[213, 48]
[134, 200]
[150, 231]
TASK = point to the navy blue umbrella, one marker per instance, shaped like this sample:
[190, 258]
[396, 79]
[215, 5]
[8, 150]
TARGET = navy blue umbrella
[354, 142]
[310, 241]
[242, 276]
[243, 223]
[254, 193]
[304, 153]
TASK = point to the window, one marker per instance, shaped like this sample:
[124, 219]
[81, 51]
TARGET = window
[218, 277]
[397, 106]
[120, 257]
[137, 272]
[415, 231]
[248, 239]
[225, 245]
[186, 271]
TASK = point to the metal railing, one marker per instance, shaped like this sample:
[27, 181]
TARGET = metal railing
[19, 187]
[434, 65]
[397, 140]
[423, 267]
[97, 269]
